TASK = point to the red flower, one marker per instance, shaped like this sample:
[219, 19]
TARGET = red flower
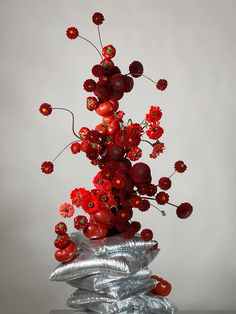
[136, 201]
[146, 235]
[45, 109]
[151, 190]
[162, 198]
[92, 136]
[75, 148]
[164, 183]
[155, 131]
[135, 153]
[90, 204]
[120, 138]
[158, 148]
[161, 84]
[180, 166]
[98, 18]
[98, 70]
[72, 33]
[91, 153]
[66, 210]
[129, 83]
[135, 225]
[89, 85]
[125, 214]
[47, 167]
[117, 82]
[118, 181]
[135, 128]
[129, 233]
[107, 186]
[77, 196]
[144, 206]
[98, 181]
[136, 69]
[143, 189]
[184, 210]
[84, 146]
[132, 139]
[103, 90]
[80, 222]
[154, 114]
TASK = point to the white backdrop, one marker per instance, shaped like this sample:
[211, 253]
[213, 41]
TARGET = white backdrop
[191, 44]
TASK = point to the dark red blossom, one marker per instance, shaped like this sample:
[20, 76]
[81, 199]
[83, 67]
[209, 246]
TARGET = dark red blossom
[125, 214]
[161, 84]
[136, 69]
[154, 114]
[91, 153]
[136, 201]
[92, 136]
[47, 167]
[144, 206]
[135, 225]
[162, 198]
[155, 131]
[158, 148]
[72, 33]
[129, 83]
[164, 183]
[117, 82]
[146, 235]
[98, 70]
[180, 166]
[135, 153]
[45, 109]
[129, 233]
[118, 181]
[97, 18]
[75, 148]
[89, 85]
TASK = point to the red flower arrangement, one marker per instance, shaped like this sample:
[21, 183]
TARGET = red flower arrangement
[123, 186]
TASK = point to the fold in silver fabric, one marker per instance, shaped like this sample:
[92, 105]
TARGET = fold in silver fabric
[111, 244]
[103, 283]
[117, 264]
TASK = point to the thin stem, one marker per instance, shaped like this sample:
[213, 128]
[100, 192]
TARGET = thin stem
[99, 35]
[172, 174]
[147, 142]
[149, 198]
[73, 120]
[172, 204]
[92, 45]
[148, 78]
[162, 211]
[63, 150]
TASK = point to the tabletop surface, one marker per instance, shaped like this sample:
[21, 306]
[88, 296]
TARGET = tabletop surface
[179, 312]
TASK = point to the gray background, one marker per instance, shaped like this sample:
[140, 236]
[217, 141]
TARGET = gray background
[192, 44]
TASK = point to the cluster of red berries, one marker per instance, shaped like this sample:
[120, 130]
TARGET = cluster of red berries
[121, 187]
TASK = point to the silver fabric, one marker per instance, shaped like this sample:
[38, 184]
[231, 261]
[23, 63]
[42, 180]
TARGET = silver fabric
[111, 244]
[155, 304]
[84, 297]
[119, 263]
[101, 282]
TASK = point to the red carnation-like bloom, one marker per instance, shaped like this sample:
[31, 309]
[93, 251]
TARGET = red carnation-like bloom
[98, 181]
[90, 205]
[125, 214]
[143, 188]
[91, 153]
[184, 210]
[80, 222]
[77, 196]
[161, 84]
[158, 148]
[102, 90]
[66, 210]
[75, 148]
[118, 181]
[132, 139]
[117, 82]
[107, 186]
[164, 183]
[162, 198]
[129, 233]
[135, 153]
[47, 167]
[135, 128]
[72, 33]
[129, 83]
[89, 85]
[154, 132]
[135, 225]
[92, 136]
[98, 70]
[144, 206]
[136, 201]
[180, 166]
[146, 235]
[151, 190]
[45, 109]
[120, 138]
[97, 18]
[136, 69]
[154, 114]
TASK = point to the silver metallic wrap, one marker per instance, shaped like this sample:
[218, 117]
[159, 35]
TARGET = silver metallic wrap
[101, 282]
[111, 244]
[155, 304]
[118, 263]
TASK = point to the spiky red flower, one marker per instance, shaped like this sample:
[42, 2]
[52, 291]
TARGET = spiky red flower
[164, 183]
[45, 109]
[89, 85]
[91, 153]
[135, 153]
[98, 70]
[97, 18]
[92, 136]
[75, 148]
[162, 198]
[98, 181]
[136, 69]
[143, 189]
[120, 137]
[136, 201]
[144, 206]
[155, 131]
[154, 114]
[80, 222]
[47, 167]
[132, 139]
[72, 32]
[158, 148]
[184, 210]
[146, 235]
[77, 196]
[90, 204]
[161, 84]
[135, 128]
[180, 166]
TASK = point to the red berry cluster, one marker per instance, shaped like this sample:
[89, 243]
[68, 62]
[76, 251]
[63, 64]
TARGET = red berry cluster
[120, 186]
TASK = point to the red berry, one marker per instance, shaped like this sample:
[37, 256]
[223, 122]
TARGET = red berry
[47, 167]
[184, 210]
[161, 84]
[60, 228]
[75, 148]
[162, 198]
[72, 33]
[164, 183]
[45, 109]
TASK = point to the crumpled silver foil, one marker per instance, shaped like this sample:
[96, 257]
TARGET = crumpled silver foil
[155, 304]
[82, 297]
[117, 263]
[111, 244]
[103, 283]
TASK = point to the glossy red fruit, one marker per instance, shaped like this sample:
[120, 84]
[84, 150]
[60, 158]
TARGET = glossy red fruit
[102, 129]
[163, 288]
[115, 104]
[113, 128]
[83, 132]
[105, 217]
[105, 109]
[66, 254]
[109, 119]
[95, 231]
[107, 64]
[108, 52]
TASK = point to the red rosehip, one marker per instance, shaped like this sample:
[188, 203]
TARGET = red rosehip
[45, 109]
[97, 18]
[164, 183]
[61, 241]
[72, 33]
[47, 167]
[161, 84]
[180, 166]
[162, 198]
[75, 148]
[184, 210]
